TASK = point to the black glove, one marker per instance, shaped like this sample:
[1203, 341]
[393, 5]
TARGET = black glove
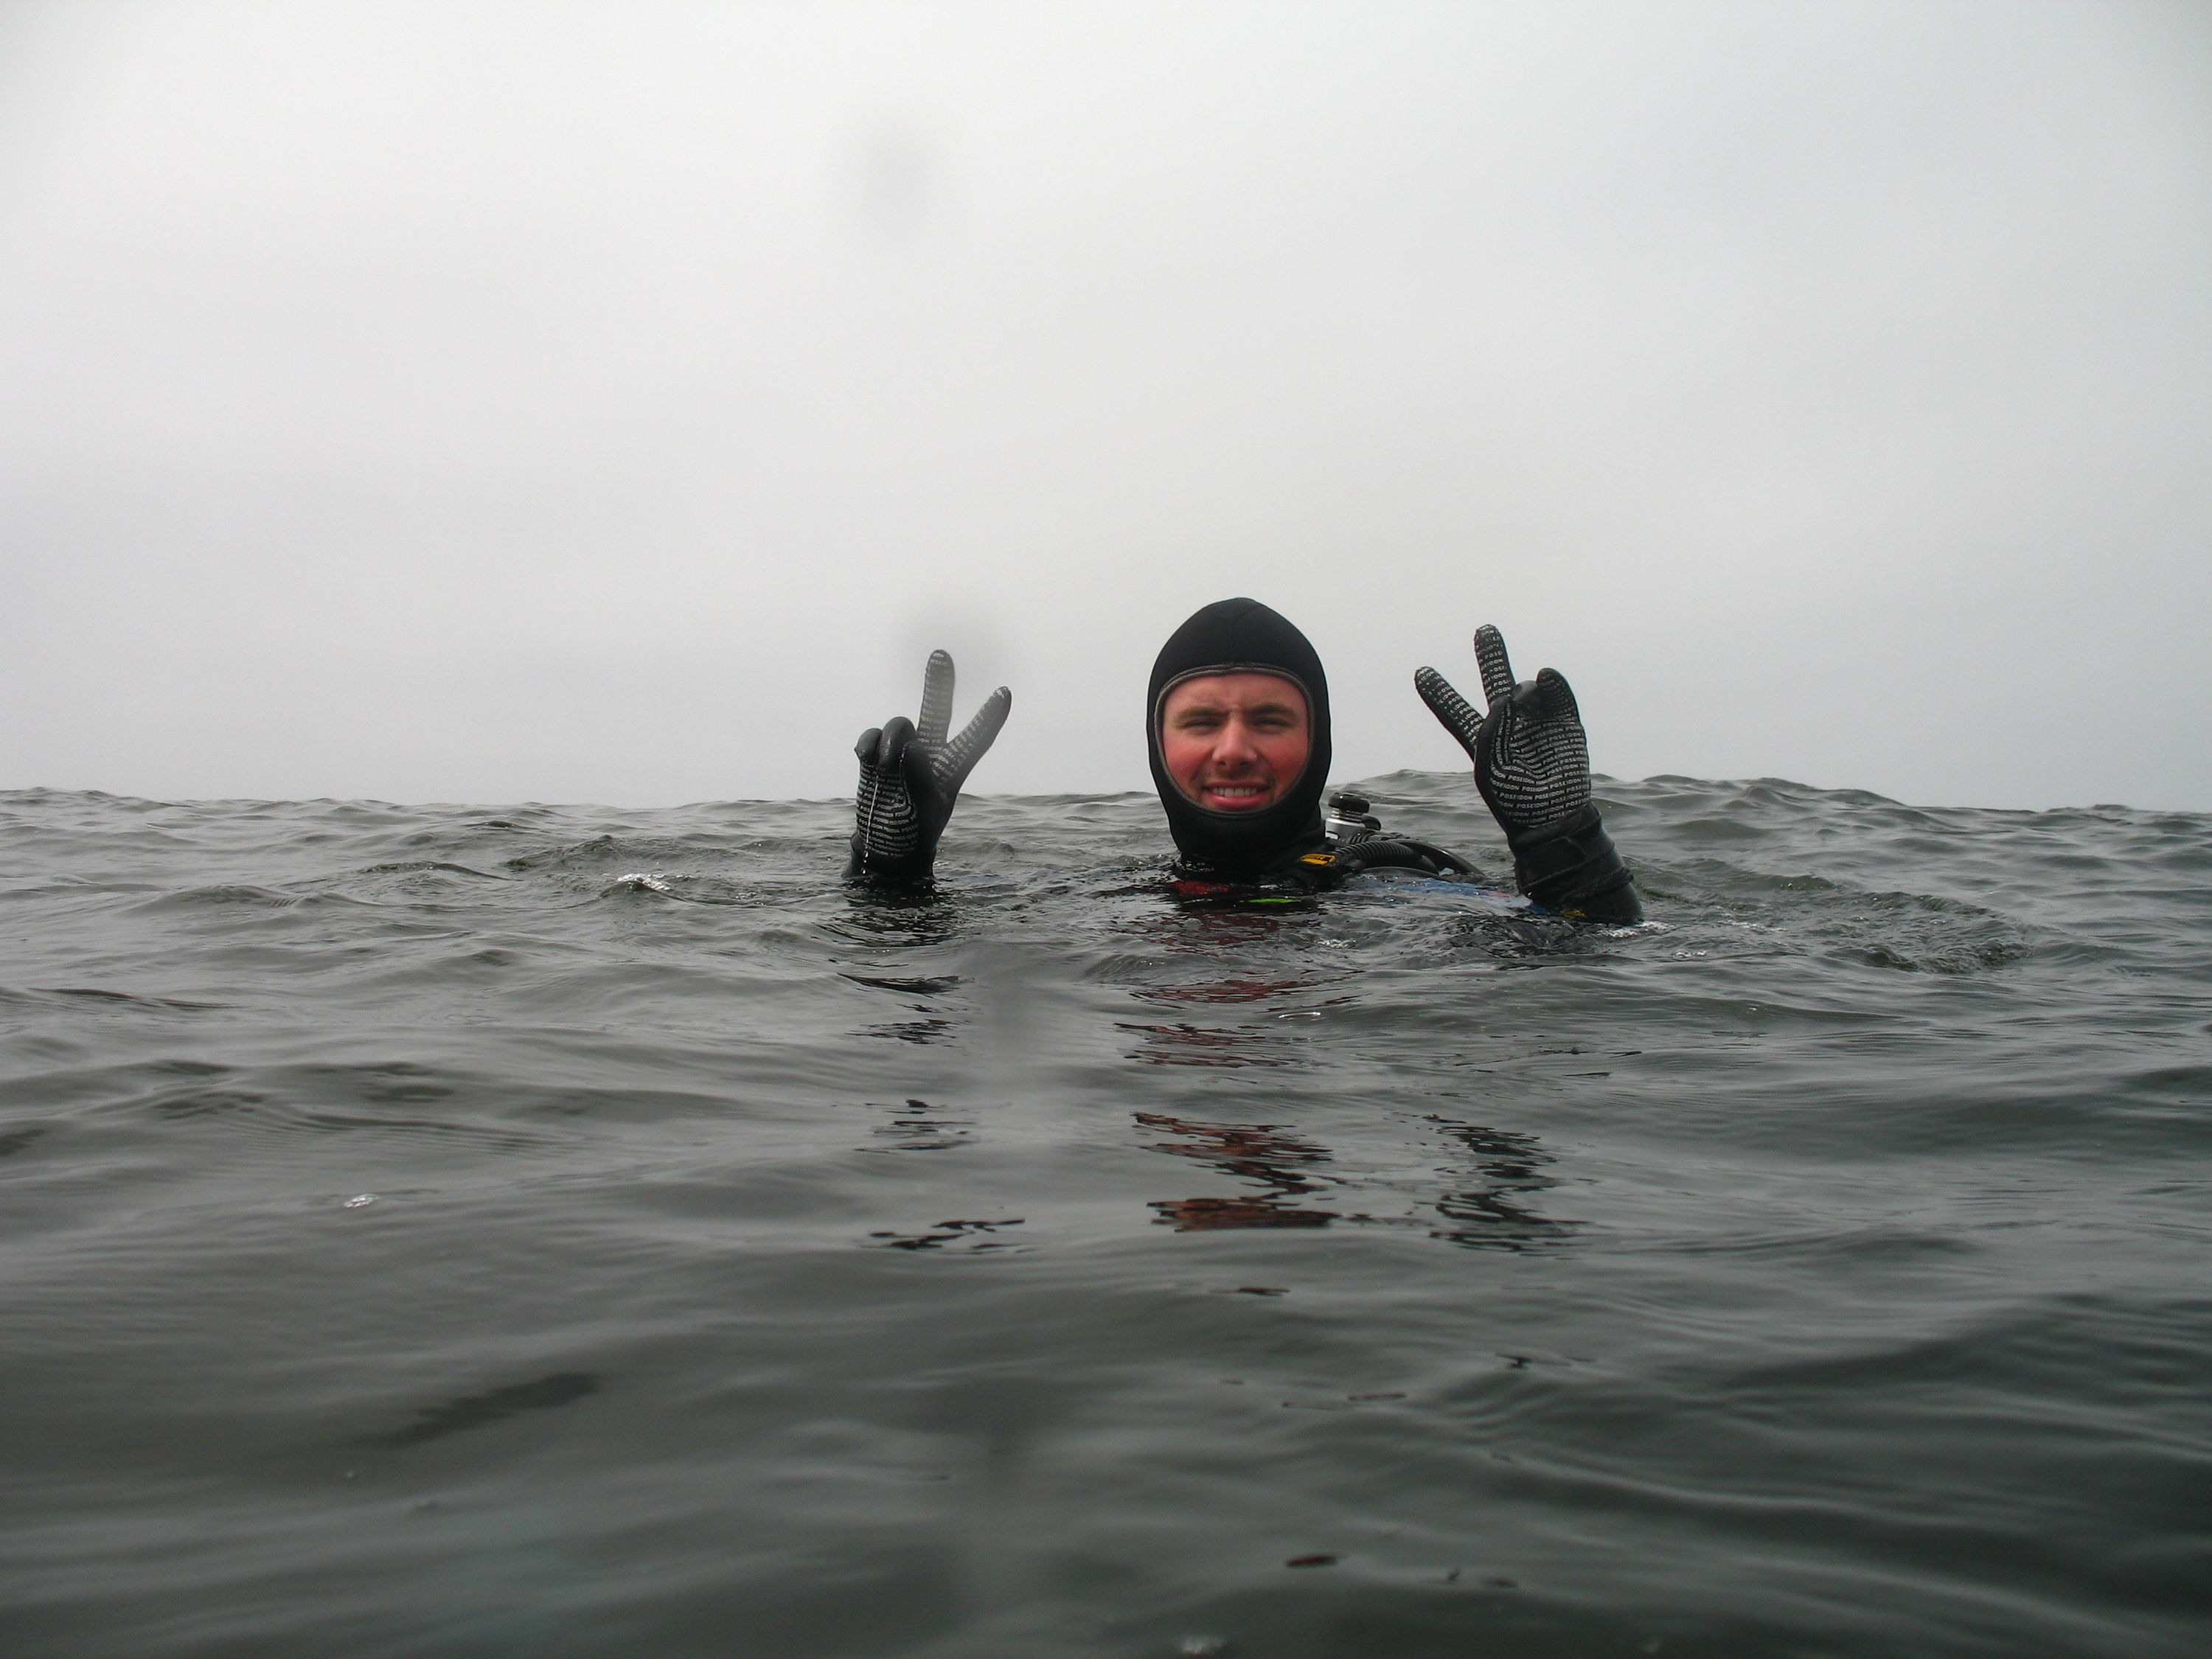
[910, 777]
[1532, 764]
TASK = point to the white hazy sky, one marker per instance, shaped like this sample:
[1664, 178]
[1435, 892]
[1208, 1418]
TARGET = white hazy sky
[615, 402]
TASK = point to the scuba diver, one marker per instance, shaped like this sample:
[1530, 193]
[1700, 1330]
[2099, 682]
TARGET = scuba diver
[1237, 730]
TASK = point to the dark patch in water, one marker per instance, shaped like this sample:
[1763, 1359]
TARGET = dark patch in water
[1258, 1153]
[128, 999]
[1497, 1214]
[1220, 991]
[474, 1411]
[1255, 1151]
[915, 1031]
[946, 1233]
[210, 1103]
[916, 1131]
[1205, 1215]
[1205, 1046]
[910, 987]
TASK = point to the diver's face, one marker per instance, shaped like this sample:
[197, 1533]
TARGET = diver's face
[1235, 743]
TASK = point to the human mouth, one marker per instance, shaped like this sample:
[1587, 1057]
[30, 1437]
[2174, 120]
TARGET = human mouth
[1235, 795]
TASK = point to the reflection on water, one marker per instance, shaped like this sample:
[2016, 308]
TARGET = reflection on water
[1224, 991]
[947, 1232]
[933, 1029]
[921, 1127]
[900, 920]
[1203, 1045]
[1257, 1153]
[1218, 1047]
[1219, 928]
[910, 987]
[1495, 1212]
[1496, 1215]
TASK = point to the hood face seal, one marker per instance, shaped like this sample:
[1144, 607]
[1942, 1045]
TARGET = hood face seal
[1242, 636]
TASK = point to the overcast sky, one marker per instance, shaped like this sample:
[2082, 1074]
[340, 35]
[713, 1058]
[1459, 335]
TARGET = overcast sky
[616, 402]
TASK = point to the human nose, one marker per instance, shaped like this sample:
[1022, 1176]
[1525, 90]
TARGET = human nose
[1235, 746]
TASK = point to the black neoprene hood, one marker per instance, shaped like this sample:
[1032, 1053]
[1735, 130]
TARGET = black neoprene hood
[1242, 636]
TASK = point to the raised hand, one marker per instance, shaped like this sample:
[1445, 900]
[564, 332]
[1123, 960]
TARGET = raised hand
[910, 779]
[1531, 759]
[1532, 765]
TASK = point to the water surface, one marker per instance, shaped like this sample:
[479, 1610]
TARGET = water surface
[535, 1231]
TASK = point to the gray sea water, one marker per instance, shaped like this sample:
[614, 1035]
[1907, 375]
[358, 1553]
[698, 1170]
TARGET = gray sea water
[442, 1231]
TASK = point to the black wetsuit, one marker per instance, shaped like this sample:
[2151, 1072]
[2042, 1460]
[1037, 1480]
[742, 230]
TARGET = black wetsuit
[1353, 844]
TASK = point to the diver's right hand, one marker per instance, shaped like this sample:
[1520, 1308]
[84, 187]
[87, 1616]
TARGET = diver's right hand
[910, 778]
[1532, 765]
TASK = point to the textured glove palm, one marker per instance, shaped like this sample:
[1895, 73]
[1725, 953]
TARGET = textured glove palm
[910, 779]
[1532, 765]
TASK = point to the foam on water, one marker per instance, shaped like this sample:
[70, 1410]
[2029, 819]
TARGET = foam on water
[572, 1231]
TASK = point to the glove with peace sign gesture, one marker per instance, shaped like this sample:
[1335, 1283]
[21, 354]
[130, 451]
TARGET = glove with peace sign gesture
[910, 778]
[1532, 764]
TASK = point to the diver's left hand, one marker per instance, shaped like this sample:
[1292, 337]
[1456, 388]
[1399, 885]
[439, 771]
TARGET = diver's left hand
[1532, 764]
[1531, 758]
[910, 779]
